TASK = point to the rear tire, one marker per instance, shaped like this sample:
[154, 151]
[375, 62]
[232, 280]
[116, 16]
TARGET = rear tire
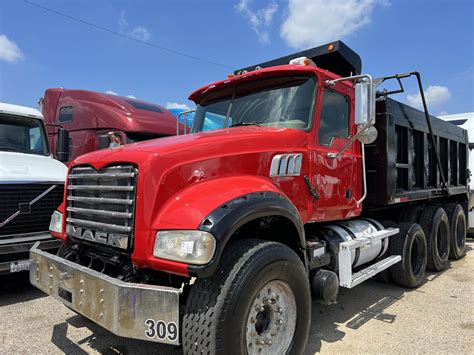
[259, 293]
[436, 227]
[410, 243]
[458, 228]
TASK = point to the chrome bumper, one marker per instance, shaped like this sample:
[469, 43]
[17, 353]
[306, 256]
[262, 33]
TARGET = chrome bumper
[129, 310]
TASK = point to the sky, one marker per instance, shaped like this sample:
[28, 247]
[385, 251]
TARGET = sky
[161, 51]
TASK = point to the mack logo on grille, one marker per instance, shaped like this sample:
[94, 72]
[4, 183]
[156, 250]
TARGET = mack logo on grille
[113, 239]
[101, 204]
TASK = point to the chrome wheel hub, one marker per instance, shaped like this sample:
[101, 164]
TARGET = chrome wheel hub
[271, 321]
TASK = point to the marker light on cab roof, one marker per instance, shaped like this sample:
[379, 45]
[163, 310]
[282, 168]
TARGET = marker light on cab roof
[302, 61]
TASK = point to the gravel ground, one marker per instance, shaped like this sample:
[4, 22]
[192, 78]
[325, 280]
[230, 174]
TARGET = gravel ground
[438, 317]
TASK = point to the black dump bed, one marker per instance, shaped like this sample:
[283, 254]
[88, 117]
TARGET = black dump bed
[401, 163]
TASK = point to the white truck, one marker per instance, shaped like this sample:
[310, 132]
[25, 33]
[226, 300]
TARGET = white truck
[31, 186]
[466, 121]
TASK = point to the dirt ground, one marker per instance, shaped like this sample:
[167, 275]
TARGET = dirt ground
[438, 317]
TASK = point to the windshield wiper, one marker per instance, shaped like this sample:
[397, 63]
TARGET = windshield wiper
[250, 123]
[11, 149]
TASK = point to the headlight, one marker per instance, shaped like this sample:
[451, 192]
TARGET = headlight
[187, 246]
[56, 224]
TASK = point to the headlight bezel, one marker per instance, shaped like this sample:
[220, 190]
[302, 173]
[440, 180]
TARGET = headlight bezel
[193, 247]
[56, 222]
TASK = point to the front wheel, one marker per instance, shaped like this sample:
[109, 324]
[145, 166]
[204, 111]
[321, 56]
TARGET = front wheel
[257, 302]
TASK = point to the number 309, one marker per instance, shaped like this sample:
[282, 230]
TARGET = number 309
[161, 330]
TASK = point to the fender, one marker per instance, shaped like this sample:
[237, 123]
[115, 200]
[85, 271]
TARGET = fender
[187, 208]
[224, 221]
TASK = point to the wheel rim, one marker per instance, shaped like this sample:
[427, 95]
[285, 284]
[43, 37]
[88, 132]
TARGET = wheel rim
[460, 229]
[271, 321]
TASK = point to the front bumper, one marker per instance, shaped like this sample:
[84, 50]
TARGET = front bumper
[129, 310]
[17, 249]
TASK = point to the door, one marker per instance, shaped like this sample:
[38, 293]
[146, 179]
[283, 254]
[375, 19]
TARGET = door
[335, 179]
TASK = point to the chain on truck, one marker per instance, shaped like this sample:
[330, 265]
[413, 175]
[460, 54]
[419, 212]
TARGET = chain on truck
[297, 177]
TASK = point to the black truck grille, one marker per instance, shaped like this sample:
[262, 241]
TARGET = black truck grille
[101, 205]
[27, 208]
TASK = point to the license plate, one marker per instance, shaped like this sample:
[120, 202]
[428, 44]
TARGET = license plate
[22, 265]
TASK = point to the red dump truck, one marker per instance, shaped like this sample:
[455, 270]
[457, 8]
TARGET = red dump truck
[217, 240]
[88, 121]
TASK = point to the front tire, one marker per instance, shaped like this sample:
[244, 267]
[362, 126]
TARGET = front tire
[259, 298]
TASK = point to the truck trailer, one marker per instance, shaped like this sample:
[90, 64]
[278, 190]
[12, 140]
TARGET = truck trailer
[217, 240]
[31, 187]
[466, 121]
[92, 120]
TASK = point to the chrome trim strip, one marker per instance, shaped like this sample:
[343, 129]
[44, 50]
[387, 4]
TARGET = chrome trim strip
[100, 212]
[100, 187]
[100, 200]
[102, 175]
[113, 227]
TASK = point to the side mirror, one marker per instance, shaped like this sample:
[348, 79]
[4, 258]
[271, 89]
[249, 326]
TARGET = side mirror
[362, 103]
[62, 147]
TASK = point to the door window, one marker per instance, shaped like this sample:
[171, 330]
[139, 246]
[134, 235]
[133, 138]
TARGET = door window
[334, 121]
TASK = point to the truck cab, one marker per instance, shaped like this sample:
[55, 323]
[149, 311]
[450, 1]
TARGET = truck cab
[94, 120]
[298, 177]
[31, 186]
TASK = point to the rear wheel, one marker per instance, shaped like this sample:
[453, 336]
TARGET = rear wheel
[436, 227]
[410, 243]
[458, 229]
[257, 302]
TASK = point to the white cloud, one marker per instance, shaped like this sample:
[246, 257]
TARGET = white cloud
[9, 51]
[315, 22]
[259, 20]
[435, 96]
[139, 32]
[176, 105]
[131, 96]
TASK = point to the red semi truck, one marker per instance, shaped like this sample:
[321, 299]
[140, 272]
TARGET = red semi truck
[216, 240]
[89, 120]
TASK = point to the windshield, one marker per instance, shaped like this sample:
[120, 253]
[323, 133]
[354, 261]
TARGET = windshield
[23, 135]
[276, 101]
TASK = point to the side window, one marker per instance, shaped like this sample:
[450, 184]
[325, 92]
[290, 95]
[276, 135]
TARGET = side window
[334, 120]
[36, 141]
[65, 114]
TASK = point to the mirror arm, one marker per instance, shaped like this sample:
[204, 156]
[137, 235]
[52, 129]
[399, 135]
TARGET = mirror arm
[351, 140]
[185, 114]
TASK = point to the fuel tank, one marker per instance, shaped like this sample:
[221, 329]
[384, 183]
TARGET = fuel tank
[336, 233]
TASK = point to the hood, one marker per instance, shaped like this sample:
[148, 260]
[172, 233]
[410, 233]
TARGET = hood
[200, 146]
[19, 167]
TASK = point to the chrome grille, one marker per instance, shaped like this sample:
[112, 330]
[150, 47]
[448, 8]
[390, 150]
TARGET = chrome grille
[101, 205]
